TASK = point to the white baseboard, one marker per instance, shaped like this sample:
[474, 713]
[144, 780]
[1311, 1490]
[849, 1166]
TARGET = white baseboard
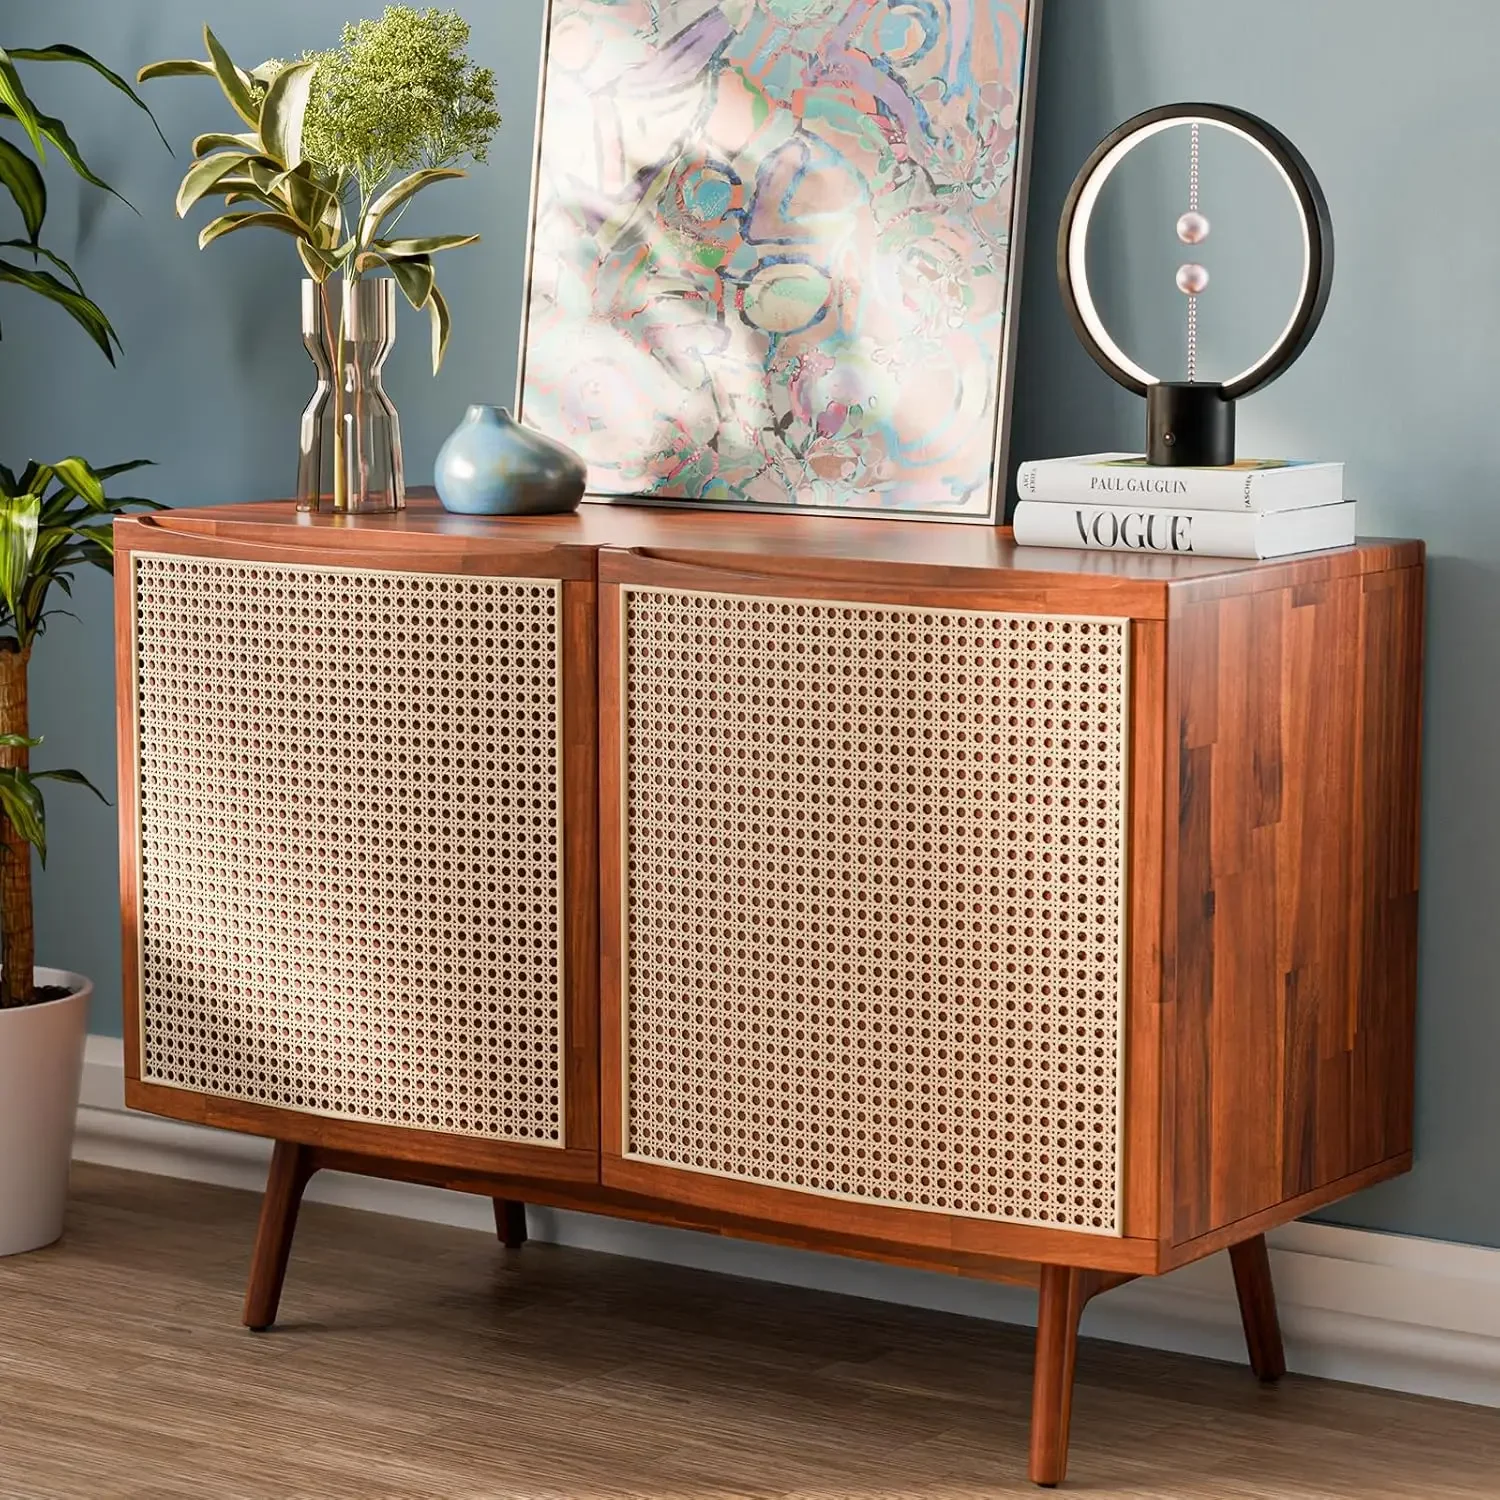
[1385, 1310]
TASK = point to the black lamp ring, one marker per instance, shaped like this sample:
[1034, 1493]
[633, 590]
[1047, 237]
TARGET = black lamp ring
[1317, 241]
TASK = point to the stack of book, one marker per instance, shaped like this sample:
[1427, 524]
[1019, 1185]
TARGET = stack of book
[1116, 502]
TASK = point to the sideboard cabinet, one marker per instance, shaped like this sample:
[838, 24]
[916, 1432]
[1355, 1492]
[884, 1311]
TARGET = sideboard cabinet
[879, 888]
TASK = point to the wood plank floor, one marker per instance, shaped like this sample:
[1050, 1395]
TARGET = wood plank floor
[429, 1364]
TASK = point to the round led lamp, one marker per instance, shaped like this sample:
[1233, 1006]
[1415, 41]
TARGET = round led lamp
[1191, 422]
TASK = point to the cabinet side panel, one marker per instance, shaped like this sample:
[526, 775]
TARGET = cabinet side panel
[1387, 855]
[1290, 934]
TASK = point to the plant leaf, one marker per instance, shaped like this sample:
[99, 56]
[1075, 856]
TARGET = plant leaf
[430, 245]
[319, 263]
[13, 93]
[395, 196]
[56, 132]
[237, 189]
[19, 741]
[247, 219]
[56, 260]
[118, 505]
[73, 778]
[177, 67]
[85, 313]
[282, 112]
[20, 175]
[301, 195]
[101, 534]
[76, 474]
[442, 325]
[205, 174]
[211, 140]
[63, 52]
[414, 276]
[21, 802]
[110, 470]
[233, 80]
[262, 182]
[19, 515]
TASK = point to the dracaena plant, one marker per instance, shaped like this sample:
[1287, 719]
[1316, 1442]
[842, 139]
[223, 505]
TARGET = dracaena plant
[54, 518]
[21, 163]
[340, 142]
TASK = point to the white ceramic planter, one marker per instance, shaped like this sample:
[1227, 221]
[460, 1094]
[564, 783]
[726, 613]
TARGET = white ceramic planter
[41, 1067]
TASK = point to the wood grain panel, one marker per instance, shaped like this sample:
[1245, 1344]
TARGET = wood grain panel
[1226, 1236]
[202, 534]
[930, 586]
[1291, 890]
[1387, 854]
[612, 870]
[580, 828]
[1144, 1098]
[502, 1158]
[127, 738]
[920, 554]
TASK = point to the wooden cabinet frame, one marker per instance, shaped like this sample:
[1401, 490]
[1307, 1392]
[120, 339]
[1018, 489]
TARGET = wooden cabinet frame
[1270, 901]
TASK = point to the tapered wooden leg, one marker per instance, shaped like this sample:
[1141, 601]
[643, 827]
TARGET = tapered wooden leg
[1257, 1294]
[291, 1167]
[510, 1222]
[1064, 1293]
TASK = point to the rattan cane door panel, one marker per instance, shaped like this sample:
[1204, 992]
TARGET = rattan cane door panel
[873, 885]
[350, 861]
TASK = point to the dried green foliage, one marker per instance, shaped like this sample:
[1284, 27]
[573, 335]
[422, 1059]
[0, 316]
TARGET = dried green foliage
[400, 93]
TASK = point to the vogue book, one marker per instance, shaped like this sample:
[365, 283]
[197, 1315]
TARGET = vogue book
[1183, 533]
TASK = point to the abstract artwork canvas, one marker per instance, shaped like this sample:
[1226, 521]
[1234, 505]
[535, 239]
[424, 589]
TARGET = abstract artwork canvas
[773, 251]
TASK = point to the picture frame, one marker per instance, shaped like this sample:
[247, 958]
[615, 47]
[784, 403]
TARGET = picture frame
[774, 251]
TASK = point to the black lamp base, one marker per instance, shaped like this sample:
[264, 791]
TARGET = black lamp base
[1189, 425]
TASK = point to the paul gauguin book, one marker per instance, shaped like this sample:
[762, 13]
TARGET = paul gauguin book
[1251, 485]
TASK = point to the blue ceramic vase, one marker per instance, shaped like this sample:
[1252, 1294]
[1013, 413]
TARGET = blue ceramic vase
[493, 466]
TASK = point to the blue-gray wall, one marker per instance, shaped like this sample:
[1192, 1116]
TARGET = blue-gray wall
[1392, 103]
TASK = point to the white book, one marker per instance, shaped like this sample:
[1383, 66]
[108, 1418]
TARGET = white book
[1183, 533]
[1127, 479]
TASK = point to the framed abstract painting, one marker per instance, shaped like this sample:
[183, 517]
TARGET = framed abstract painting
[774, 250]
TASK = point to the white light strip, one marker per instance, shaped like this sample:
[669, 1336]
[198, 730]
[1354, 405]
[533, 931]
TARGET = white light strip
[1078, 246]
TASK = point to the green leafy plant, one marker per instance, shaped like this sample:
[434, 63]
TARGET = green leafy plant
[327, 134]
[21, 176]
[54, 518]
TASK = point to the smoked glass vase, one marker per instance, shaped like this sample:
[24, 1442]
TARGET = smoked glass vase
[351, 435]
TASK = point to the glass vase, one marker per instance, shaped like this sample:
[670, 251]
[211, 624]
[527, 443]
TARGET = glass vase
[351, 435]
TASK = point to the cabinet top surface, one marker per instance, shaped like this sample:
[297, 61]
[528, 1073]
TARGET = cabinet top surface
[930, 552]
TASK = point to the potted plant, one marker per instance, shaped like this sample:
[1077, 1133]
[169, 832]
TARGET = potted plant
[338, 145]
[54, 519]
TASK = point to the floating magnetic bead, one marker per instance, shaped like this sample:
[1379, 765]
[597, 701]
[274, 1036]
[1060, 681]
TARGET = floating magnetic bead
[1191, 279]
[1192, 228]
